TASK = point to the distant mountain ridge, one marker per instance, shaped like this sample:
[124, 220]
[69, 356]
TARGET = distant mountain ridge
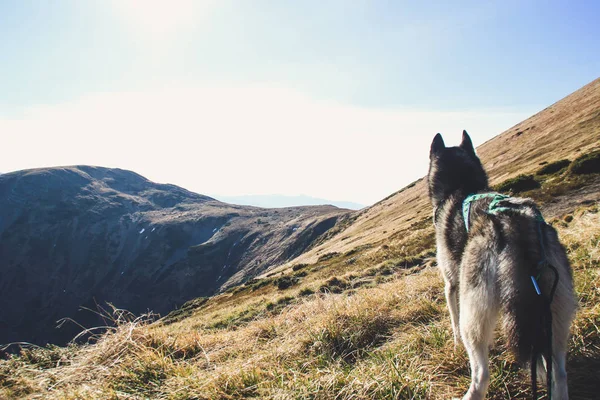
[81, 235]
[279, 200]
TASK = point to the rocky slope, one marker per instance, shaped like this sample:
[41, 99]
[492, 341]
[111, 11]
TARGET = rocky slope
[81, 236]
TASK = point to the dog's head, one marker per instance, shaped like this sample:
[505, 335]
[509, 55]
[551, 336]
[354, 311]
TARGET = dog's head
[454, 169]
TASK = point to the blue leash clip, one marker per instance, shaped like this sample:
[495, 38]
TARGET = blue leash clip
[535, 285]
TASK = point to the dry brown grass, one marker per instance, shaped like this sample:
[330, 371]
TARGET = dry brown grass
[390, 340]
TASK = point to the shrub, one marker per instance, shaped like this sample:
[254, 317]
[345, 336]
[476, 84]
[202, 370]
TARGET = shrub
[328, 256]
[385, 270]
[586, 164]
[258, 283]
[333, 285]
[285, 282]
[518, 184]
[553, 167]
[306, 292]
[278, 305]
[298, 267]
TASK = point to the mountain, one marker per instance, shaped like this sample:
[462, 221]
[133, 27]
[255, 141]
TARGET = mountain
[278, 201]
[81, 236]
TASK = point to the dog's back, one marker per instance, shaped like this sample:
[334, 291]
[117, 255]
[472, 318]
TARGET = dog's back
[518, 246]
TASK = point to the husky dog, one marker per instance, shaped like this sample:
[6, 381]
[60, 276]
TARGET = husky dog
[506, 261]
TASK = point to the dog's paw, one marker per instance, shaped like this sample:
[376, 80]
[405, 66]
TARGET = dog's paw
[472, 396]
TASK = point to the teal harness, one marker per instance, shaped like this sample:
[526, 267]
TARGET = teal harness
[493, 208]
[546, 317]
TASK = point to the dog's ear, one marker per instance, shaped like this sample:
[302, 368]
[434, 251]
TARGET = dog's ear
[437, 145]
[466, 143]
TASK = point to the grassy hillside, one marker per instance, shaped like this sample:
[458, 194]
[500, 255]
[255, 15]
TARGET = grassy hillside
[386, 338]
[565, 130]
[362, 316]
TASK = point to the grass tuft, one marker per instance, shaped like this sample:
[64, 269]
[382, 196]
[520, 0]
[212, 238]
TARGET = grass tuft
[553, 167]
[518, 184]
[586, 164]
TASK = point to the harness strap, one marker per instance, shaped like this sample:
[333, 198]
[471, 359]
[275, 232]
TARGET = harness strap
[493, 208]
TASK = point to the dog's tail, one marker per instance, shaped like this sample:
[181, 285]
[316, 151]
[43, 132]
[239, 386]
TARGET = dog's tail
[521, 303]
[539, 279]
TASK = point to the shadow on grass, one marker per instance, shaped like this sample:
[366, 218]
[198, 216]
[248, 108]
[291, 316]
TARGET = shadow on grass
[584, 377]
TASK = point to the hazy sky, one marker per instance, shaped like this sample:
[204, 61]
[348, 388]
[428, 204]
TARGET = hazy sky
[336, 99]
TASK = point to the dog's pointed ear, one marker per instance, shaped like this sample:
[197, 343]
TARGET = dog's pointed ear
[437, 145]
[466, 143]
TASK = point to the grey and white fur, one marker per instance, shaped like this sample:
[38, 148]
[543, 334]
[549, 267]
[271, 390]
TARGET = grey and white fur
[488, 269]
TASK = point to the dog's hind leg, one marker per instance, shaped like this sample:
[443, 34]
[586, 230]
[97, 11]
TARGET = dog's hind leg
[477, 322]
[451, 291]
[564, 306]
[559, 371]
[559, 376]
[479, 310]
[563, 309]
[450, 273]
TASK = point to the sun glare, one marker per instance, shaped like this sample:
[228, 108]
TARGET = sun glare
[161, 18]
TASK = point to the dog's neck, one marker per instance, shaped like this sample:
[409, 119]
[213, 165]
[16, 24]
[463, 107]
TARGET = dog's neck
[458, 195]
[439, 194]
